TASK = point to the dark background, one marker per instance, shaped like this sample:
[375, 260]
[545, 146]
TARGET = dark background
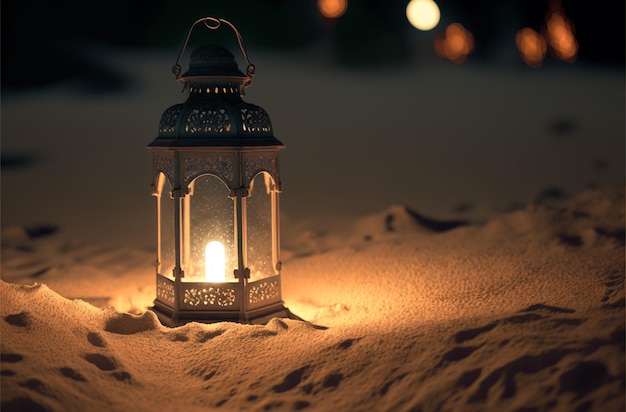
[39, 34]
[369, 114]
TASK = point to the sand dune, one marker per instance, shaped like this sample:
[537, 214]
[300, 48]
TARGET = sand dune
[524, 312]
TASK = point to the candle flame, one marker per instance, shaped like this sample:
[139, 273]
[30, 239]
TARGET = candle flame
[215, 262]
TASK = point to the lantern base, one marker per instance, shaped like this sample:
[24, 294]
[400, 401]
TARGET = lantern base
[260, 316]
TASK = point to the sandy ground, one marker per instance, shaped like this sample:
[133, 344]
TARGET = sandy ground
[520, 309]
[525, 312]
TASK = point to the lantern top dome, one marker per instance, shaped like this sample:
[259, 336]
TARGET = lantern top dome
[212, 60]
[215, 115]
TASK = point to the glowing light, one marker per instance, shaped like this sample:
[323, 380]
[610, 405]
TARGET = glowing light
[423, 14]
[456, 44]
[332, 8]
[559, 31]
[215, 262]
[532, 46]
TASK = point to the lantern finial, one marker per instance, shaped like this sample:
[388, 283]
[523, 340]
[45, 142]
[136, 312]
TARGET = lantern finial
[213, 23]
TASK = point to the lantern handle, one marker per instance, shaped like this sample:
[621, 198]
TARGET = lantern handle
[212, 23]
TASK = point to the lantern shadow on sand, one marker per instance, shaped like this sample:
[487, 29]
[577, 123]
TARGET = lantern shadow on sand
[217, 183]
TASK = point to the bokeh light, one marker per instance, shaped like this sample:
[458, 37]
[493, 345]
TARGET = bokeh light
[532, 46]
[423, 14]
[456, 44]
[332, 9]
[560, 34]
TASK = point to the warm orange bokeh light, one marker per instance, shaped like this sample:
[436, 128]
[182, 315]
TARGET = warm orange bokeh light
[332, 8]
[456, 44]
[559, 31]
[532, 46]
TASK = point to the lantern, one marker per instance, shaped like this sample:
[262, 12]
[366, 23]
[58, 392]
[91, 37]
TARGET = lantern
[216, 183]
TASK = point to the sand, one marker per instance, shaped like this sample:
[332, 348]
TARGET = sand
[523, 312]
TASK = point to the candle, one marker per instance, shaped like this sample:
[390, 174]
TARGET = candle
[215, 262]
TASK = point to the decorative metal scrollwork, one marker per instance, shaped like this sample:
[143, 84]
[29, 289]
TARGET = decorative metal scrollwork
[207, 119]
[255, 120]
[195, 166]
[169, 118]
[263, 291]
[165, 291]
[162, 164]
[259, 163]
[210, 296]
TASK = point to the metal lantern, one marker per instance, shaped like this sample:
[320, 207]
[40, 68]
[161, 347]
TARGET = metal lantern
[216, 182]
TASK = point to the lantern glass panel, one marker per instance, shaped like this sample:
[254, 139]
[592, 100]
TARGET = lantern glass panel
[165, 216]
[261, 227]
[209, 248]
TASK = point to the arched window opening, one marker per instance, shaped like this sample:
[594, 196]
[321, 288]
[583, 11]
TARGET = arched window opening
[209, 249]
[261, 209]
[165, 229]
